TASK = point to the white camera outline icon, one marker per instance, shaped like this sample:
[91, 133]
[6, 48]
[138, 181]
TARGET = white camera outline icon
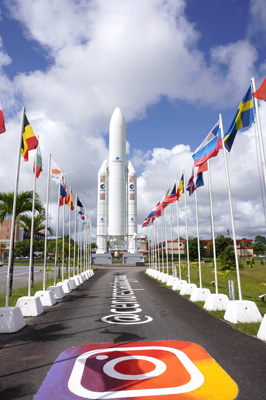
[74, 382]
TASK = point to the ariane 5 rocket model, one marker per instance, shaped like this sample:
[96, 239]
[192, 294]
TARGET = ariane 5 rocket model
[117, 193]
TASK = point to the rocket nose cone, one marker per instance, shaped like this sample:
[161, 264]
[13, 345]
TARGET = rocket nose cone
[117, 119]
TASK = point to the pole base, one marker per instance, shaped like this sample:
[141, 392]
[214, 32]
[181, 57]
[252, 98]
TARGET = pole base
[242, 311]
[11, 320]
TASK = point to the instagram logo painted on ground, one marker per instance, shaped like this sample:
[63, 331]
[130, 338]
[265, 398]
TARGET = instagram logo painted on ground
[144, 370]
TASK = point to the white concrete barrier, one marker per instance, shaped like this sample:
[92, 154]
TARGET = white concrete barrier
[200, 294]
[242, 311]
[216, 302]
[262, 330]
[30, 306]
[47, 297]
[11, 319]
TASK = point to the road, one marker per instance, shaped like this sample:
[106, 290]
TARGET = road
[21, 274]
[202, 355]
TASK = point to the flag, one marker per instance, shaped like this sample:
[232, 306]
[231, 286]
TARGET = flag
[56, 171]
[29, 140]
[261, 92]
[70, 201]
[39, 163]
[152, 213]
[171, 198]
[147, 222]
[199, 180]
[2, 121]
[79, 207]
[159, 209]
[242, 119]
[203, 167]
[180, 188]
[191, 184]
[209, 147]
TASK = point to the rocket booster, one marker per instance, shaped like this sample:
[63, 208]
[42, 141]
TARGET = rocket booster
[117, 175]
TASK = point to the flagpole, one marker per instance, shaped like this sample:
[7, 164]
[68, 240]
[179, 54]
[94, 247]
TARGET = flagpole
[57, 231]
[212, 226]
[231, 211]
[46, 224]
[188, 265]
[172, 243]
[198, 238]
[31, 269]
[178, 236]
[260, 131]
[78, 244]
[166, 243]
[9, 281]
[63, 241]
[69, 239]
[162, 242]
[75, 236]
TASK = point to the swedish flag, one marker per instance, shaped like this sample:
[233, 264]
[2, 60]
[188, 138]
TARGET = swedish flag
[243, 118]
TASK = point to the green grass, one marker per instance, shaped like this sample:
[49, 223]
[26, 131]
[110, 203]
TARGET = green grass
[252, 285]
[17, 293]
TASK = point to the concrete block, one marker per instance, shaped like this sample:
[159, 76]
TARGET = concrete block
[11, 319]
[262, 330]
[216, 302]
[200, 294]
[187, 289]
[30, 306]
[242, 311]
[47, 297]
[58, 292]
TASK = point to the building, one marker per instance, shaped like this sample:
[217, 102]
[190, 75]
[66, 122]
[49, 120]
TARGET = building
[20, 235]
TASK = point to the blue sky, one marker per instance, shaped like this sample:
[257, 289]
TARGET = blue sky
[171, 66]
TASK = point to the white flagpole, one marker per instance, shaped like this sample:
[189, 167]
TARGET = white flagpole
[69, 239]
[157, 240]
[260, 131]
[198, 238]
[78, 244]
[172, 243]
[185, 195]
[57, 231]
[46, 224]
[213, 235]
[162, 242]
[13, 226]
[75, 237]
[166, 242]
[31, 269]
[63, 241]
[178, 237]
[231, 211]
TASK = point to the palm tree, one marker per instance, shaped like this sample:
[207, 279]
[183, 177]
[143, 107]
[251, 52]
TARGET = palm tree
[24, 204]
[24, 221]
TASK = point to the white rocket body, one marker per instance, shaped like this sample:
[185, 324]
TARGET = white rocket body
[102, 209]
[131, 208]
[120, 206]
[117, 178]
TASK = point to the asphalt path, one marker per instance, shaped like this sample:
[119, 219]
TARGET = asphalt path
[28, 355]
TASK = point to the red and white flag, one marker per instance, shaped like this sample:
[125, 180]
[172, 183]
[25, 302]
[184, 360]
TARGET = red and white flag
[2, 121]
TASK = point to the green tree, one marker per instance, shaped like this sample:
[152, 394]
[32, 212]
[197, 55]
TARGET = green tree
[25, 221]
[260, 239]
[259, 248]
[24, 204]
[193, 249]
[221, 242]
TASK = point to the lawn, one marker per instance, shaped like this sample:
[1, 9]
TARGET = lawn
[253, 284]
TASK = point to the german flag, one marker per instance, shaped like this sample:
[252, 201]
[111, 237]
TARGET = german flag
[29, 140]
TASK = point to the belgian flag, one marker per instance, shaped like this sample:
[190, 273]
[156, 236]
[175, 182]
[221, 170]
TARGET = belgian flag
[29, 140]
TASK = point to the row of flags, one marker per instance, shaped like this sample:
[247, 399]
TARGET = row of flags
[30, 142]
[210, 147]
